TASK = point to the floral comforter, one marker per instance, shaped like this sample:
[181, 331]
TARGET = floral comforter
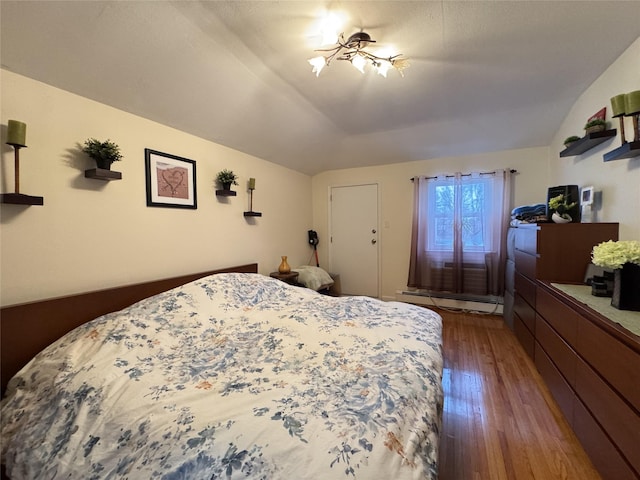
[234, 376]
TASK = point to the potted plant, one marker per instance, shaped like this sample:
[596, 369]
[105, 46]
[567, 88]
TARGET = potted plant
[226, 178]
[569, 140]
[560, 208]
[104, 153]
[595, 125]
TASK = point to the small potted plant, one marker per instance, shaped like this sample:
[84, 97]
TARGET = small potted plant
[104, 153]
[595, 125]
[569, 140]
[560, 208]
[226, 178]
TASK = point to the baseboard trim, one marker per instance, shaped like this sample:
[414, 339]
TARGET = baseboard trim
[432, 301]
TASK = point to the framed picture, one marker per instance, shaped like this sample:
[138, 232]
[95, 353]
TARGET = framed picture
[171, 180]
[586, 196]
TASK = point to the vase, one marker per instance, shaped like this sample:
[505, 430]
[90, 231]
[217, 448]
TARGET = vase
[284, 266]
[564, 218]
[103, 164]
[626, 288]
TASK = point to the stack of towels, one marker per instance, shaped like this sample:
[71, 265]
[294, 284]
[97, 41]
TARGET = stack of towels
[529, 214]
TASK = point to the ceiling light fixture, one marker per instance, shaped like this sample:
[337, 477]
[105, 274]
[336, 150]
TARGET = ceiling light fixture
[353, 51]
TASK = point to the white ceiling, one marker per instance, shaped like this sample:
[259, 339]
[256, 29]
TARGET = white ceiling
[485, 75]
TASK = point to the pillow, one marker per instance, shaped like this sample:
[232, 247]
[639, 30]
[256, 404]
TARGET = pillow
[314, 278]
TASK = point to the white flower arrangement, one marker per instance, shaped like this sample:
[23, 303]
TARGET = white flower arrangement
[614, 255]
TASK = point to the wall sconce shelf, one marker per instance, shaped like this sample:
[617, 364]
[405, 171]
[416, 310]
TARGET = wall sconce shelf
[102, 174]
[226, 193]
[627, 150]
[252, 214]
[21, 199]
[587, 142]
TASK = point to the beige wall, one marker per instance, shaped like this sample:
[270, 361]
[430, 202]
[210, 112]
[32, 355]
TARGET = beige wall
[395, 193]
[92, 234]
[619, 180]
[539, 168]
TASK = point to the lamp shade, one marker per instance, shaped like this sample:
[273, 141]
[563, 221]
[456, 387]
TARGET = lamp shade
[252, 184]
[617, 105]
[632, 103]
[16, 133]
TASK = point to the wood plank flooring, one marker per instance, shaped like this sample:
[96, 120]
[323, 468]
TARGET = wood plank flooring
[500, 421]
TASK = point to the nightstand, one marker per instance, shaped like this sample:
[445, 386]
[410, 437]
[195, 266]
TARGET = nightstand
[291, 278]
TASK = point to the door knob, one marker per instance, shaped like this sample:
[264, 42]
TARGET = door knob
[373, 231]
[373, 241]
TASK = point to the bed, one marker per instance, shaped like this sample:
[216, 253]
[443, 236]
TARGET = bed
[233, 376]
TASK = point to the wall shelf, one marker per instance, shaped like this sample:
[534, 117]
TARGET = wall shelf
[252, 214]
[21, 199]
[627, 150]
[587, 142]
[226, 193]
[102, 174]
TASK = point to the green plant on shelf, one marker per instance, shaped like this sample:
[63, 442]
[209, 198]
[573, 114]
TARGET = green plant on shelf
[226, 178]
[104, 153]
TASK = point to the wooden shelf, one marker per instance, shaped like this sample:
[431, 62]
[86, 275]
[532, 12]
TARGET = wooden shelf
[587, 142]
[628, 150]
[226, 193]
[252, 214]
[21, 199]
[102, 174]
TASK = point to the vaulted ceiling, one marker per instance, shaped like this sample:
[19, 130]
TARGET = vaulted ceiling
[484, 76]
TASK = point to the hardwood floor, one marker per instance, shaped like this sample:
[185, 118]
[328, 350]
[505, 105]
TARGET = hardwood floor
[499, 420]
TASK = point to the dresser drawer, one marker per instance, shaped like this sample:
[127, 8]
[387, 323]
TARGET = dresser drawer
[524, 335]
[525, 311]
[604, 455]
[525, 288]
[558, 315]
[558, 386]
[617, 418]
[564, 358]
[527, 239]
[613, 360]
[510, 271]
[526, 264]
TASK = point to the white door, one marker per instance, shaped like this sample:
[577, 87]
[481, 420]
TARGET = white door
[353, 251]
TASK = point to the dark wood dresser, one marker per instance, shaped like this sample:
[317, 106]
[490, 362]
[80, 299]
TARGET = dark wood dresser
[592, 368]
[590, 364]
[554, 252]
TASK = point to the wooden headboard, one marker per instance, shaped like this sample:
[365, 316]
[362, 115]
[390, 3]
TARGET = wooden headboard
[28, 328]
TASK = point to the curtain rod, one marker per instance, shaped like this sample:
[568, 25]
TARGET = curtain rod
[464, 175]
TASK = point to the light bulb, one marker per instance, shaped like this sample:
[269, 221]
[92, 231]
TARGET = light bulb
[382, 67]
[359, 62]
[318, 64]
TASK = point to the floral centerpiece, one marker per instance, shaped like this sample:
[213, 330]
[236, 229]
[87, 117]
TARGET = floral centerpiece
[561, 207]
[623, 257]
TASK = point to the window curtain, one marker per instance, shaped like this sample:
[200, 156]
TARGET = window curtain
[458, 239]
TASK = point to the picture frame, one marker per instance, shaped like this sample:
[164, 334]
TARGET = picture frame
[586, 196]
[171, 180]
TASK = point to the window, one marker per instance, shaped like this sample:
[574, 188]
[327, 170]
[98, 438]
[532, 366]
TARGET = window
[467, 205]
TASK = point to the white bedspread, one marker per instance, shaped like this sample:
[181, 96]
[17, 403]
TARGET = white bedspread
[235, 376]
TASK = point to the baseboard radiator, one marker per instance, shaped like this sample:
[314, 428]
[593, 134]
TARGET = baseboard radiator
[475, 286]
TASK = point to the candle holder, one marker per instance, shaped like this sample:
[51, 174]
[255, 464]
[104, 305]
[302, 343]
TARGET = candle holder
[16, 134]
[632, 109]
[618, 108]
[252, 187]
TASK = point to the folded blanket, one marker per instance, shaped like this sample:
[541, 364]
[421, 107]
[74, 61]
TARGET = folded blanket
[314, 278]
